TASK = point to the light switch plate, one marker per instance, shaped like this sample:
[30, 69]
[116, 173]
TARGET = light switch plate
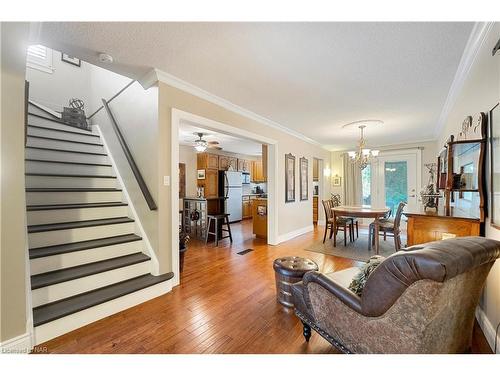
[166, 180]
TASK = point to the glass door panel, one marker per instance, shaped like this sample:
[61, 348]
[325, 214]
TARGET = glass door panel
[396, 184]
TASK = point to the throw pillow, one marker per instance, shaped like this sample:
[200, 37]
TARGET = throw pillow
[359, 280]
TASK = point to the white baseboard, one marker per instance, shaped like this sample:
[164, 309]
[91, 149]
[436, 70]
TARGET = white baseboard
[21, 344]
[288, 236]
[488, 329]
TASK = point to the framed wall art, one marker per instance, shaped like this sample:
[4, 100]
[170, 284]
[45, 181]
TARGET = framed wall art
[289, 178]
[494, 130]
[304, 179]
[70, 59]
[337, 180]
[200, 174]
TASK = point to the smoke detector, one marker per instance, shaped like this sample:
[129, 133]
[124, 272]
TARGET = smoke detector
[105, 58]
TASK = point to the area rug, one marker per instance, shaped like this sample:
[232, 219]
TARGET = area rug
[357, 250]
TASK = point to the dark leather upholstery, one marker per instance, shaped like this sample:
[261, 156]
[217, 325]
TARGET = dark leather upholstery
[419, 300]
[438, 261]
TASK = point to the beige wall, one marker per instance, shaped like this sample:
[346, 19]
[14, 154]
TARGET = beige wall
[292, 216]
[481, 91]
[14, 37]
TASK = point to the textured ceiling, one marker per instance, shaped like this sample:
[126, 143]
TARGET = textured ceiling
[228, 142]
[309, 77]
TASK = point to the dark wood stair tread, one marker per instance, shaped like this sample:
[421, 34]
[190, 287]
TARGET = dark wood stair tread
[69, 175]
[72, 273]
[44, 207]
[65, 140]
[40, 252]
[62, 150]
[63, 130]
[75, 190]
[78, 224]
[59, 309]
[69, 162]
[59, 121]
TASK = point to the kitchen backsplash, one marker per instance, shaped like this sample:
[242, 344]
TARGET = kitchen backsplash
[250, 188]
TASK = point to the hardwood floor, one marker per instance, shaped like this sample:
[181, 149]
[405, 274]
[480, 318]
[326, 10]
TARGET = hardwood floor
[226, 303]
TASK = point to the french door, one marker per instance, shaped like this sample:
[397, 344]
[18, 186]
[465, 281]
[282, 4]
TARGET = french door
[394, 179]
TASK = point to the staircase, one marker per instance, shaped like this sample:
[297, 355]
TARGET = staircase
[87, 257]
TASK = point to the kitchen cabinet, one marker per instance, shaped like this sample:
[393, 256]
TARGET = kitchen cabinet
[315, 210]
[246, 208]
[210, 183]
[257, 174]
[259, 215]
[206, 160]
[244, 165]
[315, 170]
[227, 162]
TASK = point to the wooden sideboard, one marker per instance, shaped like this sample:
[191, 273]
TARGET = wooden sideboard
[428, 226]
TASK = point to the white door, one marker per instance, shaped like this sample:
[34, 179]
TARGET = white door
[395, 180]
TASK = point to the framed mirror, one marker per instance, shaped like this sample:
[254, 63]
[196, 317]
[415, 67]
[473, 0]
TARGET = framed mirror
[494, 127]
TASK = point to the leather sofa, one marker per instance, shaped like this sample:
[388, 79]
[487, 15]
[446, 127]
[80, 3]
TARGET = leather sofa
[419, 300]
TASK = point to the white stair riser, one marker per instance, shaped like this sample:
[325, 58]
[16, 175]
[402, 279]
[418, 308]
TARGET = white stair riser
[58, 237]
[70, 288]
[62, 145]
[32, 153]
[77, 258]
[60, 168]
[70, 182]
[47, 132]
[38, 111]
[33, 120]
[71, 322]
[75, 214]
[72, 197]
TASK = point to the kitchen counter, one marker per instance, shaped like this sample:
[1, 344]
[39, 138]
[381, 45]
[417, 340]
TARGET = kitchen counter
[259, 215]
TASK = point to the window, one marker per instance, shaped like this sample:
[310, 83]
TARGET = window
[366, 185]
[40, 57]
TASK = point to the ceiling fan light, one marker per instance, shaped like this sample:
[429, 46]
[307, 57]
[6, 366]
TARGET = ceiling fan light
[200, 145]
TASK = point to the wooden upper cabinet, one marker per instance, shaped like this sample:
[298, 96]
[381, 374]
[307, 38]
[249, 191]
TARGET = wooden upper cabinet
[211, 183]
[264, 162]
[257, 171]
[207, 161]
[227, 162]
[243, 165]
[315, 170]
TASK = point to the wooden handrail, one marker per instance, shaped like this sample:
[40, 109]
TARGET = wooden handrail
[138, 176]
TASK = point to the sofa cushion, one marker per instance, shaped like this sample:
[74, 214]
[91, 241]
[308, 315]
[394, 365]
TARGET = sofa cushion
[358, 281]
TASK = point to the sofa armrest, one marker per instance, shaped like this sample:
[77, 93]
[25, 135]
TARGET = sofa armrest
[350, 299]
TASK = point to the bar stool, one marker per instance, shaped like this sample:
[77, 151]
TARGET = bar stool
[216, 218]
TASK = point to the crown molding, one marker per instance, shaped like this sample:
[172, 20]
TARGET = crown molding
[154, 76]
[476, 40]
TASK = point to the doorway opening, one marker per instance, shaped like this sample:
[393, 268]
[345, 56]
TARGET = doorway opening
[234, 174]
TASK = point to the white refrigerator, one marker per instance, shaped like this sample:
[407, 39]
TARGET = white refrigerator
[230, 186]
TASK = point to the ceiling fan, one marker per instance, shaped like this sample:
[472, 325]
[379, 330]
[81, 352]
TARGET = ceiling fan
[201, 145]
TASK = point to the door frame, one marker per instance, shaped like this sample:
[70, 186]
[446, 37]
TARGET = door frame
[417, 152]
[177, 116]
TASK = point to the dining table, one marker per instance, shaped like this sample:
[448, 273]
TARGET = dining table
[360, 212]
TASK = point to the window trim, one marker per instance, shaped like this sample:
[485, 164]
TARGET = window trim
[44, 65]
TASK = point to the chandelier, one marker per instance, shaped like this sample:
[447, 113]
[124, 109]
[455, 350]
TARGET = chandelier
[364, 155]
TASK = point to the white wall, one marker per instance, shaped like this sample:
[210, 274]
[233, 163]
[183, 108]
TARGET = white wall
[87, 82]
[136, 112]
[480, 92]
[66, 81]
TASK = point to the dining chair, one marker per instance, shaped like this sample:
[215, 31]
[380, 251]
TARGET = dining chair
[389, 227]
[342, 223]
[337, 201]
